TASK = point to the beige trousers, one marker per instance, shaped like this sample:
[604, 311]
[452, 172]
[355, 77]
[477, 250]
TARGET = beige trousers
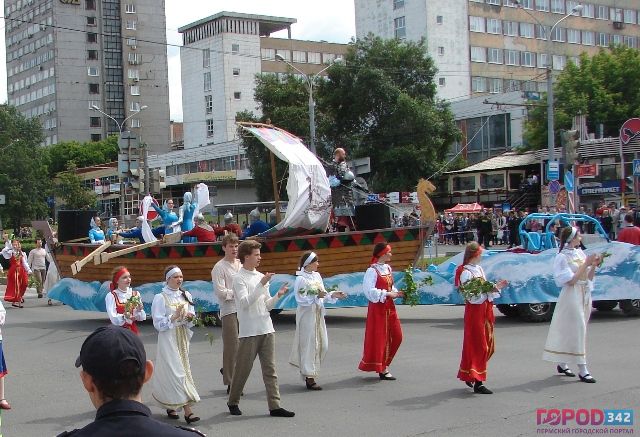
[229, 346]
[39, 276]
[262, 346]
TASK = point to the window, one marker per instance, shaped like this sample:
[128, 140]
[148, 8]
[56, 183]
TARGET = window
[494, 26]
[494, 56]
[478, 84]
[603, 39]
[237, 95]
[132, 24]
[588, 38]
[476, 24]
[236, 71]
[135, 122]
[573, 36]
[528, 59]
[400, 31]
[478, 54]
[557, 6]
[94, 122]
[512, 85]
[542, 5]
[493, 2]
[96, 137]
[602, 12]
[616, 40]
[541, 31]
[206, 58]
[529, 85]
[464, 183]
[495, 86]
[526, 4]
[91, 21]
[268, 54]
[527, 30]
[615, 14]
[629, 16]
[93, 71]
[286, 54]
[134, 59]
[207, 81]
[299, 57]
[209, 127]
[313, 57]
[92, 55]
[559, 62]
[397, 4]
[90, 5]
[94, 88]
[439, 19]
[208, 104]
[510, 28]
[135, 90]
[491, 180]
[134, 74]
[92, 103]
[512, 57]
[92, 37]
[630, 41]
[558, 34]
[588, 10]
[132, 42]
[440, 50]
[510, 3]
[130, 8]
[134, 106]
[442, 81]
[235, 48]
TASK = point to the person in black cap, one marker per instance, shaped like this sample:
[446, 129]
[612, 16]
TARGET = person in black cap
[114, 368]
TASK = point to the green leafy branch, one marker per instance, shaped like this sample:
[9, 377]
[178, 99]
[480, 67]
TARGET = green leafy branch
[475, 287]
[411, 293]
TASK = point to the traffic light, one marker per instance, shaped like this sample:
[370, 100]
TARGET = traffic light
[157, 180]
[137, 179]
[570, 143]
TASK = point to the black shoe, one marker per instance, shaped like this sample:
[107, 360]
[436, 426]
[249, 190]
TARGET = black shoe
[469, 384]
[587, 378]
[191, 418]
[311, 384]
[234, 410]
[387, 376]
[480, 388]
[281, 412]
[566, 372]
[171, 414]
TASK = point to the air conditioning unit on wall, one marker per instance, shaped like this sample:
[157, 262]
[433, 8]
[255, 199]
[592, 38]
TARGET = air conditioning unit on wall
[618, 25]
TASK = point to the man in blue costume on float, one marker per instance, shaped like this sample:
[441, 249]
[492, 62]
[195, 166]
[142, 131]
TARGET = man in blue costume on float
[256, 226]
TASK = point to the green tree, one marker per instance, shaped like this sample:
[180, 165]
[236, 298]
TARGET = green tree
[68, 187]
[82, 154]
[382, 103]
[604, 87]
[23, 170]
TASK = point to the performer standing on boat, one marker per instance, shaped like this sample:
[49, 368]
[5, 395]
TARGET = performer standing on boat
[383, 333]
[478, 344]
[168, 217]
[201, 232]
[310, 343]
[222, 277]
[112, 231]
[574, 272]
[256, 333]
[173, 314]
[136, 231]
[185, 219]
[116, 301]
[340, 180]
[18, 273]
[96, 235]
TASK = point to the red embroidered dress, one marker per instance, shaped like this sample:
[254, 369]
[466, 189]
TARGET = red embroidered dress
[120, 308]
[17, 279]
[383, 333]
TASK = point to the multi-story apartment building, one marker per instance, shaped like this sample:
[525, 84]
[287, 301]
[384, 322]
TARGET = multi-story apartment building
[495, 46]
[66, 56]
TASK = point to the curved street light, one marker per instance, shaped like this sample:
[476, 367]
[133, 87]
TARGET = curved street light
[309, 81]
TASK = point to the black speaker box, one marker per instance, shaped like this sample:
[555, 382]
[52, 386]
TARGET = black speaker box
[372, 216]
[74, 224]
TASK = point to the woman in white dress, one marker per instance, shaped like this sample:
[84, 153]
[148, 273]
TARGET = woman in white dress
[310, 342]
[574, 272]
[53, 276]
[173, 315]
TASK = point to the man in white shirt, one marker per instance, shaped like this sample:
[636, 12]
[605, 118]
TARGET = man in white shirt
[222, 278]
[256, 333]
[36, 260]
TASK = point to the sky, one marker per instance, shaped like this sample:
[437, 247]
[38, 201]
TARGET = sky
[329, 20]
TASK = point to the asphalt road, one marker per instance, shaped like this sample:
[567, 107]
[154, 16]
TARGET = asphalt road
[41, 344]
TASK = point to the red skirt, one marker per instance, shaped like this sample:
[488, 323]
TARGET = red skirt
[382, 336]
[17, 280]
[478, 345]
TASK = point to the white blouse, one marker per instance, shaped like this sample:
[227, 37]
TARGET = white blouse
[565, 265]
[372, 293]
[475, 271]
[304, 280]
[8, 252]
[123, 296]
[162, 313]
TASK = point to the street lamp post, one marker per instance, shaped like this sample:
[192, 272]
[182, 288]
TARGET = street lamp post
[120, 127]
[309, 81]
[550, 115]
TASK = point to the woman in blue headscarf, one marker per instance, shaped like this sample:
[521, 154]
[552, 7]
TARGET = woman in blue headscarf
[112, 229]
[169, 218]
[96, 235]
[187, 210]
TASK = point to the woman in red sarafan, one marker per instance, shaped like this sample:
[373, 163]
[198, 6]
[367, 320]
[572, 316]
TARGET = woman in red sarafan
[478, 344]
[18, 273]
[383, 333]
[116, 301]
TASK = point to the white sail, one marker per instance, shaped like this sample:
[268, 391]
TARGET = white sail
[309, 205]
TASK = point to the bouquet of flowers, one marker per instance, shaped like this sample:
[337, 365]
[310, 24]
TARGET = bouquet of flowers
[203, 320]
[313, 289]
[411, 294]
[475, 287]
[132, 303]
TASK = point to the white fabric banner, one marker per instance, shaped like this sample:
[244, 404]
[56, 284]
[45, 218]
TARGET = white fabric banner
[202, 198]
[147, 235]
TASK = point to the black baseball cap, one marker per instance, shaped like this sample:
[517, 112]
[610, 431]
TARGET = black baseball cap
[106, 348]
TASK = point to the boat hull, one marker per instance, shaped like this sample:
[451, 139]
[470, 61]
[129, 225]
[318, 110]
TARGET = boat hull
[339, 253]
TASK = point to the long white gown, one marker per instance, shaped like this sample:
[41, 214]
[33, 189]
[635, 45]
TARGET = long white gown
[310, 343]
[172, 385]
[566, 341]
